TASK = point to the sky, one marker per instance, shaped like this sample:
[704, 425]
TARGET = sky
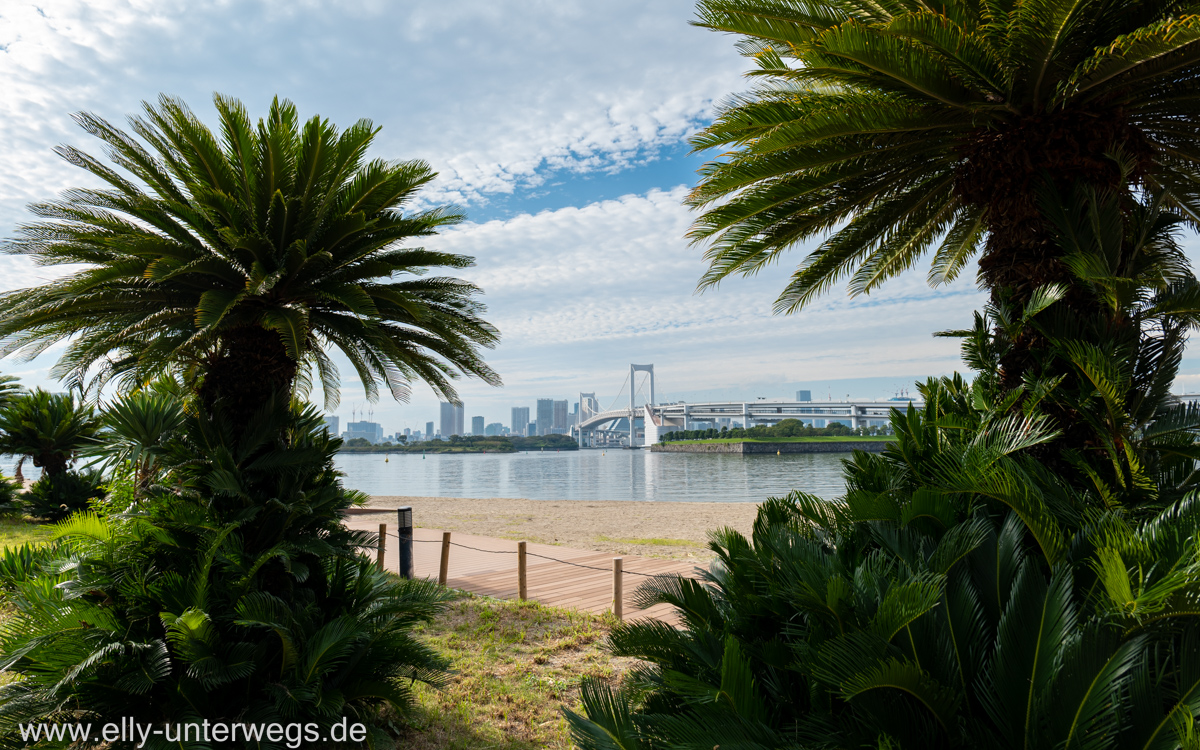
[559, 127]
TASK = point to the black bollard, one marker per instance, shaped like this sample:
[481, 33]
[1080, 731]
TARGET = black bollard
[405, 541]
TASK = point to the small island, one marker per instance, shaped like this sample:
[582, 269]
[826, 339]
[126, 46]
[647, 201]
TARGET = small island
[788, 436]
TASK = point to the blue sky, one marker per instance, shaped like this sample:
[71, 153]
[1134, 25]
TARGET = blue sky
[559, 127]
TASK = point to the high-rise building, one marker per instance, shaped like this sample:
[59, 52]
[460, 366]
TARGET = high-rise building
[476, 425]
[332, 424]
[545, 416]
[372, 432]
[452, 419]
[531, 429]
[804, 395]
[407, 432]
[493, 429]
[429, 430]
[520, 420]
[560, 417]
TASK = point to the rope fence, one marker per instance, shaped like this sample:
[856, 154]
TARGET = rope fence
[405, 541]
[532, 554]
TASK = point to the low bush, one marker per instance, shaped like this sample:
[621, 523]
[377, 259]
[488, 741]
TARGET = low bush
[56, 496]
[9, 497]
[960, 595]
[22, 563]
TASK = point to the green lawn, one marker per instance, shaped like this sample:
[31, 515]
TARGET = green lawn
[17, 531]
[831, 439]
[516, 665]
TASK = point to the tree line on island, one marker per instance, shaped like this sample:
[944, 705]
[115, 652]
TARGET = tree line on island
[785, 428]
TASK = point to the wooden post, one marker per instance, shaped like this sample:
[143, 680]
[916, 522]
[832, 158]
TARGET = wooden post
[618, 605]
[522, 589]
[382, 545]
[444, 569]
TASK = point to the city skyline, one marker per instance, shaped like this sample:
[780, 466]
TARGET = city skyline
[566, 147]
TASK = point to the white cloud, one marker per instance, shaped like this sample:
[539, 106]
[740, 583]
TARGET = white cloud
[493, 95]
[498, 97]
[593, 288]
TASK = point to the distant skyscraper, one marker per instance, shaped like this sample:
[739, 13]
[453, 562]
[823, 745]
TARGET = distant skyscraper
[804, 395]
[560, 417]
[452, 419]
[476, 425]
[331, 425]
[520, 420]
[531, 429]
[372, 432]
[545, 416]
[429, 430]
[495, 428]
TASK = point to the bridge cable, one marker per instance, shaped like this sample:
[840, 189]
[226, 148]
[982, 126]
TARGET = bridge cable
[618, 396]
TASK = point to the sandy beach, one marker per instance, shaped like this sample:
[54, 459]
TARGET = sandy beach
[652, 529]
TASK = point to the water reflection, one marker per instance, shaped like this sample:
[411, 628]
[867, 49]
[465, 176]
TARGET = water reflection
[585, 475]
[596, 475]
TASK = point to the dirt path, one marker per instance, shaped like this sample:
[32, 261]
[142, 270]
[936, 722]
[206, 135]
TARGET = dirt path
[675, 530]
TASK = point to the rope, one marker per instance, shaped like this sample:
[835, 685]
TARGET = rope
[534, 554]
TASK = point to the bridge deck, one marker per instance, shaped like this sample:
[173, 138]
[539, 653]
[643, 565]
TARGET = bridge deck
[488, 566]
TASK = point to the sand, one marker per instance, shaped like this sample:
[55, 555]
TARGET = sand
[652, 529]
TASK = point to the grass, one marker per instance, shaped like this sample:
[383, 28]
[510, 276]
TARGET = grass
[15, 531]
[825, 439]
[649, 540]
[517, 665]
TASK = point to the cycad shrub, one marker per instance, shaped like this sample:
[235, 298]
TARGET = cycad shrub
[53, 497]
[22, 563]
[1019, 569]
[975, 600]
[8, 496]
[231, 593]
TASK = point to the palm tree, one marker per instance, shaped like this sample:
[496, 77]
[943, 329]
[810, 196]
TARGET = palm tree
[889, 129]
[10, 387]
[48, 427]
[237, 259]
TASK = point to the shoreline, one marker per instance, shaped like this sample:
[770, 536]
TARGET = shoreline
[765, 448]
[669, 529]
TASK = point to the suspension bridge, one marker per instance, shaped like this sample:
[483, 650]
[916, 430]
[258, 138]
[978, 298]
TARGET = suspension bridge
[643, 421]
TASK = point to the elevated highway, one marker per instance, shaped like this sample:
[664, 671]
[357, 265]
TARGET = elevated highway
[651, 421]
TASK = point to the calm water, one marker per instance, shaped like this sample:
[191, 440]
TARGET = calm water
[596, 475]
[586, 475]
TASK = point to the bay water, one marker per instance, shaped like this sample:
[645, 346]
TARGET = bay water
[585, 475]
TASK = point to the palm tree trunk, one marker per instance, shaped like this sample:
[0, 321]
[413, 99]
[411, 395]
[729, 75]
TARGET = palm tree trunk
[1002, 171]
[249, 367]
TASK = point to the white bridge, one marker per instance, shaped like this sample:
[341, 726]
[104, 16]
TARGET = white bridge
[637, 425]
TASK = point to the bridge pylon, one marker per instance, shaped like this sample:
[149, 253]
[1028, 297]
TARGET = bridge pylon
[632, 394]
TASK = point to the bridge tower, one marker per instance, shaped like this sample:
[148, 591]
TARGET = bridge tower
[633, 392]
[588, 406]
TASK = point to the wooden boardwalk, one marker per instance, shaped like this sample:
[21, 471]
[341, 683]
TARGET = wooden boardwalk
[488, 566]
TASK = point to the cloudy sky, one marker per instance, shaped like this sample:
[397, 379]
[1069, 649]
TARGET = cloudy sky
[559, 127]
